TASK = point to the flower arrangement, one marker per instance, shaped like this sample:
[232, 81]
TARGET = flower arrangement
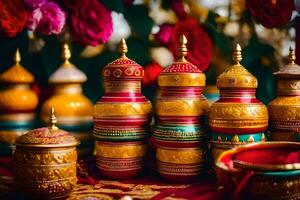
[90, 21]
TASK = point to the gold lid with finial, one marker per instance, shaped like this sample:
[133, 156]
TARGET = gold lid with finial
[291, 70]
[123, 67]
[17, 73]
[182, 50]
[236, 76]
[123, 49]
[182, 72]
[67, 72]
[52, 120]
[50, 136]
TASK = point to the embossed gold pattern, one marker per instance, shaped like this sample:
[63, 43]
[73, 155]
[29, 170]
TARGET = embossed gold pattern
[120, 151]
[233, 115]
[181, 107]
[181, 155]
[122, 109]
[44, 163]
[284, 110]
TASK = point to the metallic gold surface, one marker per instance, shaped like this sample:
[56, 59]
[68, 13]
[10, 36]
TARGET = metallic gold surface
[182, 79]
[181, 155]
[283, 108]
[122, 109]
[17, 74]
[18, 99]
[181, 107]
[120, 151]
[68, 105]
[236, 76]
[44, 162]
[238, 115]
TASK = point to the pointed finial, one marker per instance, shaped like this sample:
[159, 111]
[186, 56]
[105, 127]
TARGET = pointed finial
[292, 56]
[66, 53]
[237, 54]
[182, 50]
[52, 120]
[123, 49]
[17, 57]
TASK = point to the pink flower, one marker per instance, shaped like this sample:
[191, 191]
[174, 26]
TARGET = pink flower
[164, 35]
[91, 23]
[48, 19]
[34, 3]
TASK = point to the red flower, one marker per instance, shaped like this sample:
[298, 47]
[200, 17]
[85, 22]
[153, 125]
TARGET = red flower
[199, 43]
[164, 35]
[271, 13]
[178, 8]
[91, 23]
[152, 71]
[13, 16]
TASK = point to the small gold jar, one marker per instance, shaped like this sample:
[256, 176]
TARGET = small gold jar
[284, 110]
[44, 163]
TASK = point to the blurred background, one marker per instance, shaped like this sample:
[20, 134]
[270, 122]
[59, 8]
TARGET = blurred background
[151, 29]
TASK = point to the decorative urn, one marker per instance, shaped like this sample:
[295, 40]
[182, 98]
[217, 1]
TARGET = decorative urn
[284, 110]
[122, 119]
[17, 105]
[44, 162]
[237, 118]
[74, 111]
[179, 129]
[265, 170]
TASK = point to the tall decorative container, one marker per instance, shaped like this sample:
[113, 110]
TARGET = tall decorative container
[179, 127]
[17, 105]
[284, 110]
[74, 111]
[121, 119]
[237, 117]
[44, 163]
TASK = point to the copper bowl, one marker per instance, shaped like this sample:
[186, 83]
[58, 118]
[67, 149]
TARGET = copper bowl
[268, 170]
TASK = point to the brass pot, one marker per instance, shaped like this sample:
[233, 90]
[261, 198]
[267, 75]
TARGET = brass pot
[44, 163]
[284, 110]
[260, 171]
[237, 117]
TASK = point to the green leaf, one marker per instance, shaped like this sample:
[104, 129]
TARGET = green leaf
[140, 22]
[115, 5]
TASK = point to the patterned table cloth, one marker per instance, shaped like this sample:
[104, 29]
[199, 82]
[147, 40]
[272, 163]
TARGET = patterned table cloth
[92, 187]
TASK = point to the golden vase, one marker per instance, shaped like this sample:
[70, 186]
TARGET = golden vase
[237, 118]
[284, 110]
[74, 111]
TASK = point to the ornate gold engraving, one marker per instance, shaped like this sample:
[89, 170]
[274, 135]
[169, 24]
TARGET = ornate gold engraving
[181, 107]
[181, 155]
[122, 109]
[120, 151]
